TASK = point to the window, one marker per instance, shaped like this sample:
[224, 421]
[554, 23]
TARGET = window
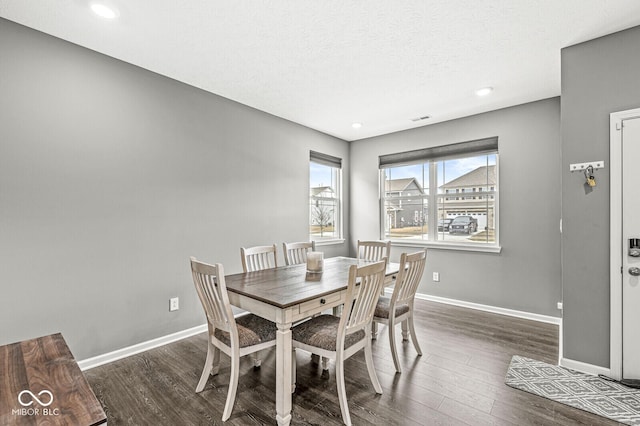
[444, 196]
[325, 197]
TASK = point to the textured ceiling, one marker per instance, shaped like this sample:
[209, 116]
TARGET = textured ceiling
[327, 64]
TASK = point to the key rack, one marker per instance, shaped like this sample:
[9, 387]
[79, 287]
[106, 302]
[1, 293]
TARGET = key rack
[576, 167]
[588, 169]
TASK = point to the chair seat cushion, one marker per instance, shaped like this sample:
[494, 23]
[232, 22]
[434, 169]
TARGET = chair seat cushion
[252, 330]
[322, 332]
[382, 308]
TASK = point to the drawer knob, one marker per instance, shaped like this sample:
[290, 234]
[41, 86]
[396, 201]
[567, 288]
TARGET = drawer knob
[322, 301]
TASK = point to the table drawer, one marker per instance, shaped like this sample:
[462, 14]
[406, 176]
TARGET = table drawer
[321, 303]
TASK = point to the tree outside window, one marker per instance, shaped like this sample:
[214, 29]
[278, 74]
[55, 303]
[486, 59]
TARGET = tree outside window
[324, 200]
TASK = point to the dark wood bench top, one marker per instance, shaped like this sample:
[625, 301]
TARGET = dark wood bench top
[41, 384]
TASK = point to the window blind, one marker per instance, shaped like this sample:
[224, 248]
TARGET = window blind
[325, 159]
[474, 147]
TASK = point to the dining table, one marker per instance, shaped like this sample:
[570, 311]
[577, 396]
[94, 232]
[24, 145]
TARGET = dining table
[286, 295]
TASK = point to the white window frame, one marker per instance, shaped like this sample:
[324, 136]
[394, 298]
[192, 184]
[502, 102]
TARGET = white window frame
[432, 197]
[336, 164]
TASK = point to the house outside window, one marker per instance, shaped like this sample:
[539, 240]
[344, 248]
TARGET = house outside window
[325, 198]
[417, 205]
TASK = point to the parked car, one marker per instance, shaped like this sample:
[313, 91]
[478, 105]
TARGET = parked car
[463, 225]
[443, 225]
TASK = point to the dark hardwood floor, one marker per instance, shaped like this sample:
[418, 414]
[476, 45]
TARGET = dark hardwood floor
[459, 379]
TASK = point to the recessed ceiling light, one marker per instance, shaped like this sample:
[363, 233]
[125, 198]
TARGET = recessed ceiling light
[356, 125]
[104, 11]
[484, 91]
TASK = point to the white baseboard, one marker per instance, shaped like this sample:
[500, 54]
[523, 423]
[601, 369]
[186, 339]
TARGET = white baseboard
[560, 345]
[96, 361]
[492, 309]
[564, 362]
[584, 367]
[89, 363]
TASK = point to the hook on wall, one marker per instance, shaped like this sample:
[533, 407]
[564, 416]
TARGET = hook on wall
[588, 169]
[595, 165]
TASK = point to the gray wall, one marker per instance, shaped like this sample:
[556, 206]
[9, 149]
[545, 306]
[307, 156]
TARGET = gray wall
[112, 176]
[526, 274]
[598, 77]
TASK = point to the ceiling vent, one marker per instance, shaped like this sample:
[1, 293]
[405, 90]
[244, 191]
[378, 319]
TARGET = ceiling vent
[426, 117]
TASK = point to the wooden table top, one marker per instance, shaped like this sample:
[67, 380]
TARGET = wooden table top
[41, 384]
[286, 286]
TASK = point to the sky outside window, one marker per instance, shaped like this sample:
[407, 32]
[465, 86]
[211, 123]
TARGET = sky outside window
[320, 175]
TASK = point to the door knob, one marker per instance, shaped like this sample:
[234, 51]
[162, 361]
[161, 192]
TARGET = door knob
[634, 271]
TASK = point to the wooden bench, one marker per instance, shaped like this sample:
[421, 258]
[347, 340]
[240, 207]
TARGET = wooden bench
[41, 384]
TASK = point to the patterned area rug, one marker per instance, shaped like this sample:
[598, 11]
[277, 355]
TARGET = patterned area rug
[579, 390]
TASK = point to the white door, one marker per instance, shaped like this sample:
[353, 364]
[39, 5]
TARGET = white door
[630, 259]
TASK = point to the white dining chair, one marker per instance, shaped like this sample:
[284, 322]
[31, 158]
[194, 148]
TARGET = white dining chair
[236, 337]
[296, 253]
[398, 309]
[373, 250]
[258, 258]
[339, 338]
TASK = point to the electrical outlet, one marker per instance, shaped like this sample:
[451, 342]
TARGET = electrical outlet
[436, 276]
[560, 305]
[174, 304]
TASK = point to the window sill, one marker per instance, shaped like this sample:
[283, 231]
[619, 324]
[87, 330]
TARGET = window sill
[329, 242]
[448, 246]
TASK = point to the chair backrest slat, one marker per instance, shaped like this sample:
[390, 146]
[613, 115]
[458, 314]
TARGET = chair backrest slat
[212, 291]
[295, 253]
[373, 250]
[258, 258]
[411, 270]
[363, 290]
